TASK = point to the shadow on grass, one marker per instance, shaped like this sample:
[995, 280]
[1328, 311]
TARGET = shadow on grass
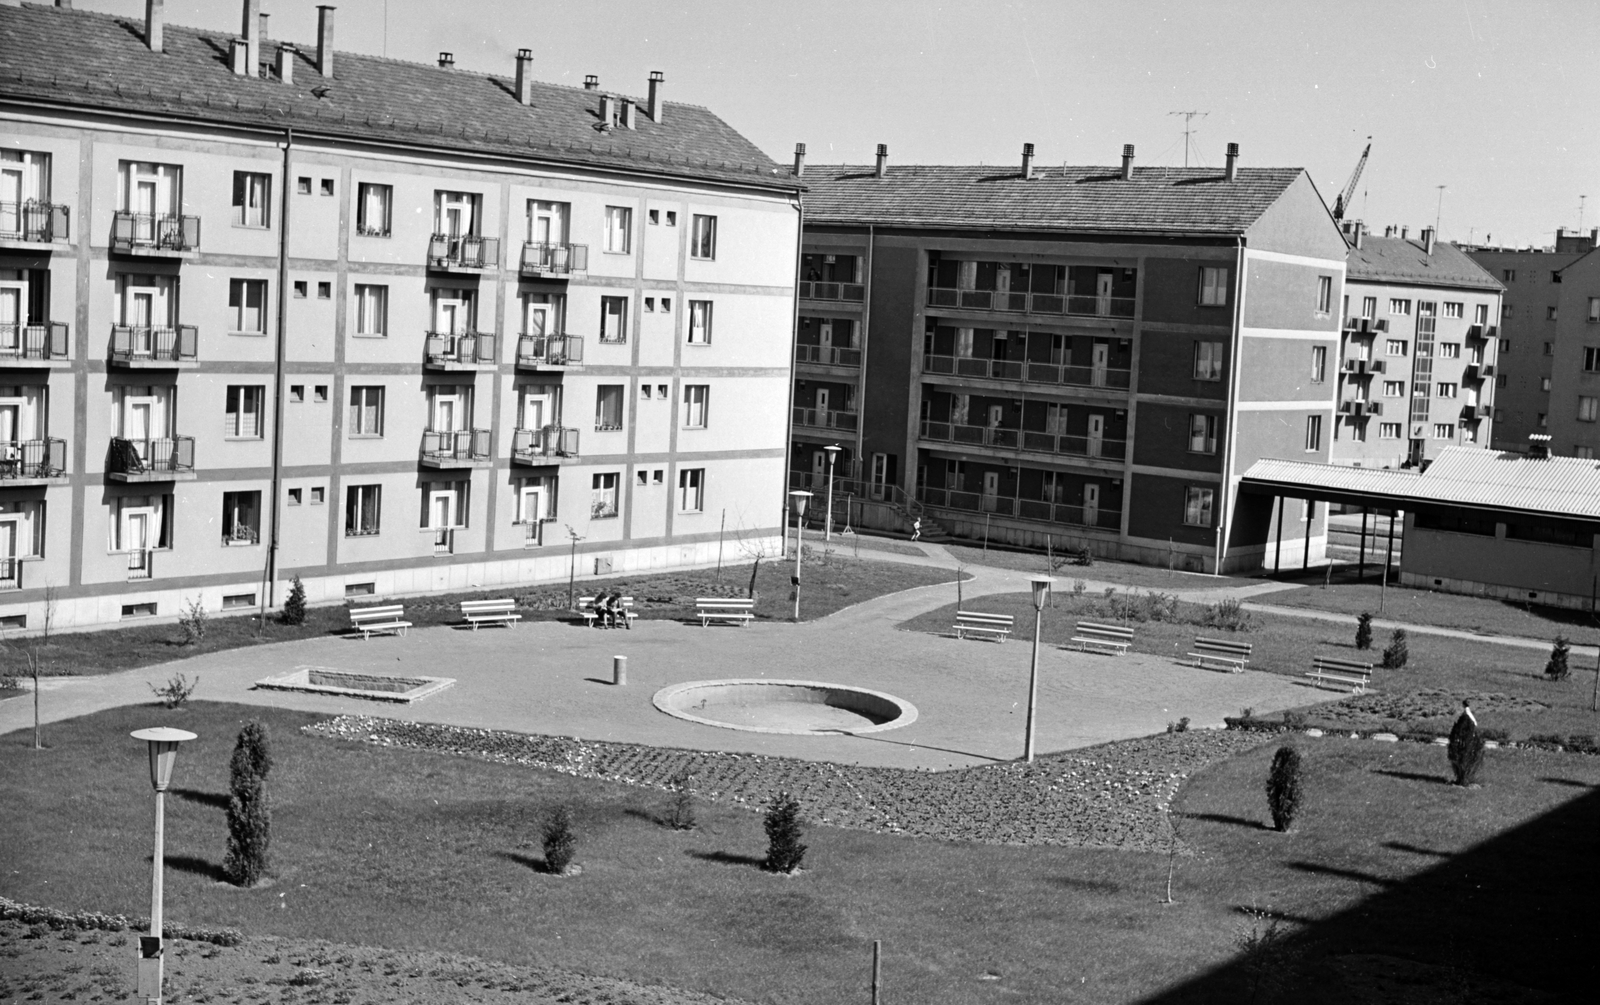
[1267, 912]
[1411, 776]
[528, 861]
[1223, 818]
[1417, 849]
[1318, 869]
[1571, 782]
[916, 746]
[1086, 885]
[726, 858]
[196, 866]
[215, 800]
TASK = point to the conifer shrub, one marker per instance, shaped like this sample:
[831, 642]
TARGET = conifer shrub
[249, 807]
[1465, 749]
[294, 606]
[1398, 652]
[1364, 630]
[681, 814]
[560, 844]
[1285, 788]
[784, 850]
[1556, 667]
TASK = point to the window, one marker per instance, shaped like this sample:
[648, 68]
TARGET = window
[1588, 408]
[1450, 350]
[327, 186]
[241, 518]
[603, 496]
[247, 306]
[1469, 434]
[319, 394]
[324, 291]
[372, 310]
[1500, 381]
[1324, 294]
[1399, 307]
[672, 218]
[1443, 431]
[1594, 310]
[1509, 275]
[649, 305]
[655, 217]
[1213, 287]
[666, 305]
[300, 288]
[1388, 430]
[1319, 364]
[1555, 277]
[1394, 389]
[243, 411]
[372, 209]
[703, 240]
[1313, 433]
[696, 398]
[619, 230]
[445, 506]
[1542, 421]
[1549, 313]
[1447, 389]
[1202, 434]
[366, 410]
[318, 495]
[1369, 307]
[1583, 453]
[1549, 348]
[691, 490]
[1480, 314]
[294, 497]
[362, 506]
[141, 523]
[1452, 309]
[699, 322]
[252, 199]
[1197, 506]
[1505, 310]
[303, 186]
[608, 407]
[1505, 345]
[1591, 358]
[297, 393]
[614, 319]
[1208, 361]
[1395, 346]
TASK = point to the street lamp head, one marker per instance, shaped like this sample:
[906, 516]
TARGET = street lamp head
[797, 502]
[1041, 591]
[832, 450]
[163, 743]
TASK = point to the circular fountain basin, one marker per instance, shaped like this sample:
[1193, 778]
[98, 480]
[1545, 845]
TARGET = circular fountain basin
[785, 706]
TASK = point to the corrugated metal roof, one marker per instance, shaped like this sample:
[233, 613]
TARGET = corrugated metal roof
[1402, 260]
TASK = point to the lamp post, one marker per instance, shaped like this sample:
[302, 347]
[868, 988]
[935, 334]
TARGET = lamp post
[797, 505]
[833, 454]
[163, 743]
[1041, 593]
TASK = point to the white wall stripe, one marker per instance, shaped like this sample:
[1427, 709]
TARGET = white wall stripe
[1278, 256]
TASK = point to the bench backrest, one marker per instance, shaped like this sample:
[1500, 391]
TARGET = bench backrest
[1224, 646]
[726, 603]
[487, 606]
[1329, 663]
[589, 602]
[360, 614]
[1110, 631]
[984, 618]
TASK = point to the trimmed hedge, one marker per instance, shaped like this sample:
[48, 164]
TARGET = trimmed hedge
[30, 914]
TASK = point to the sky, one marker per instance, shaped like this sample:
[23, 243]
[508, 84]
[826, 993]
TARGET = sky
[1496, 101]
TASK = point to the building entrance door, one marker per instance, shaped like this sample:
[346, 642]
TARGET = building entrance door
[1097, 432]
[991, 491]
[1091, 505]
[1101, 359]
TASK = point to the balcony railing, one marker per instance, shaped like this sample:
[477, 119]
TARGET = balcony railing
[543, 259]
[544, 445]
[446, 252]
[154, 232]
[461, 445]
[1031, 303]
[466, 347]
[1065, 444]
[42, 458]
[10, 574]
[1031, 373]
[39, 222]
[141, 564]
[166, 455]
[138, 344]
[1483, 332]
[1476, 411]
[1479, 371]
[826, 418]
[819, 290]
[1024, 509]
[34, 342]
[827, 355]
[550, 350]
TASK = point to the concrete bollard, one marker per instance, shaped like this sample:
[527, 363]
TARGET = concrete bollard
[619, 670]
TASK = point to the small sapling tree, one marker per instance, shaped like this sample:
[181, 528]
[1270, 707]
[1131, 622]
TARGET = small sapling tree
[1465, 748]
[294, 606]
[1285, 788]
[1556, 667]
[1364, 630]
[1397, 653]
[560, 844]
[784, 850]
[249, 808]
[681, 814]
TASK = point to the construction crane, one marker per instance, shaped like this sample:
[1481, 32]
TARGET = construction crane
[1343, 202]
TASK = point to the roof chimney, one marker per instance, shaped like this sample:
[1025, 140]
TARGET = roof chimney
[325, 40]
[591, 83]
[1027, 161]
[64, 4]
[447, 61]
[1127, 162]
[1232, 170]
[251, 33]
[883, 161]
[286, 57]
[628, 116]
[1405, 230]
[1359, 230]
[799, 159]
[1427, 240]
[608, 110]
[525, 76]
[263, 23]
[658, 104]
[153, 16]
[239, 57]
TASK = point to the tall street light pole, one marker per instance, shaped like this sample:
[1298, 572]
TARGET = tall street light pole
[163, 745]
[1041, 593]
[833, 454]
[797, 505]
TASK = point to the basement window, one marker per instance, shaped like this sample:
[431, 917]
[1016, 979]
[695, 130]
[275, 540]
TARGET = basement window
[139, 610]
[235, 600]
[360, 589]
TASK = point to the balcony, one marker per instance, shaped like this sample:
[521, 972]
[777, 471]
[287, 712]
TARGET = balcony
[10, 574]
[1471, 412]
[1363, 367]
[1026, 440]
[1483, 333]
[460, 351]
[1049, 304]
[554, 261]
[31, 222]
[1051, 374]
[537, 352]
[164, 459]
[546, 445]
[1478, 371]
[158, 234]
[463, 254]
[1037, 511]
[850, 293]
[461, 448]
[827, 355]
[33, 462]
[1357, 408]
[34, 345]
[135, 347]
[825, 418]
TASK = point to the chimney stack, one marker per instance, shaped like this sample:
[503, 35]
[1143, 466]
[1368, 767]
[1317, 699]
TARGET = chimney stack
[658, 103]
[1360, 229]
[1405, 231]
[325, 40]
[1427, 240]
[239, 57]
[64, 4]
[264, 35]
[153, 16]
[286, 56]
[608, 110]
[251, 33]
[883, 161]
[447, 61]
[1027, 161]
[525, 76]
[1127, 162]
[1232, 170]
[629, 121]
[799, 159]
[591, 83]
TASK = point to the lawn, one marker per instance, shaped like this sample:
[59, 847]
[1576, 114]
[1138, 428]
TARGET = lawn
[1505, 683]
[827, 586]
[1123, 573]
[422, 852]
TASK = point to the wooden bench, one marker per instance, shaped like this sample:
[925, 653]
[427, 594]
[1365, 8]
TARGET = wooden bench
[389, 619]
[592, 616]
[1113, 639]
[482, 612]
[979, 623]
[1231, 655]
[1347, 674]
[733, 610]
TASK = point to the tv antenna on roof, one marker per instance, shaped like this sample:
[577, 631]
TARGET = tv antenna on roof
[1188, 130]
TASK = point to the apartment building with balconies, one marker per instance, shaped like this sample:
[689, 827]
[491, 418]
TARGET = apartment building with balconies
[387, 327]
[1418, 355]
[1066, 356]
[1574, 399]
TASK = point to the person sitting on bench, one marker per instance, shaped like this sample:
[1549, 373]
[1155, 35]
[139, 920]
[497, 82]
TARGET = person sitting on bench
[610, 606]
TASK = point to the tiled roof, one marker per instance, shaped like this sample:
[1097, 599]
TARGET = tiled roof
[98, 61]
[1156, 200]
[1402, 260]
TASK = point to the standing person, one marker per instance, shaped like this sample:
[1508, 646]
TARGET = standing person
[916, 528]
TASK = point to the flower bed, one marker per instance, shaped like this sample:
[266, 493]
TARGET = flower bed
[1111, 796]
